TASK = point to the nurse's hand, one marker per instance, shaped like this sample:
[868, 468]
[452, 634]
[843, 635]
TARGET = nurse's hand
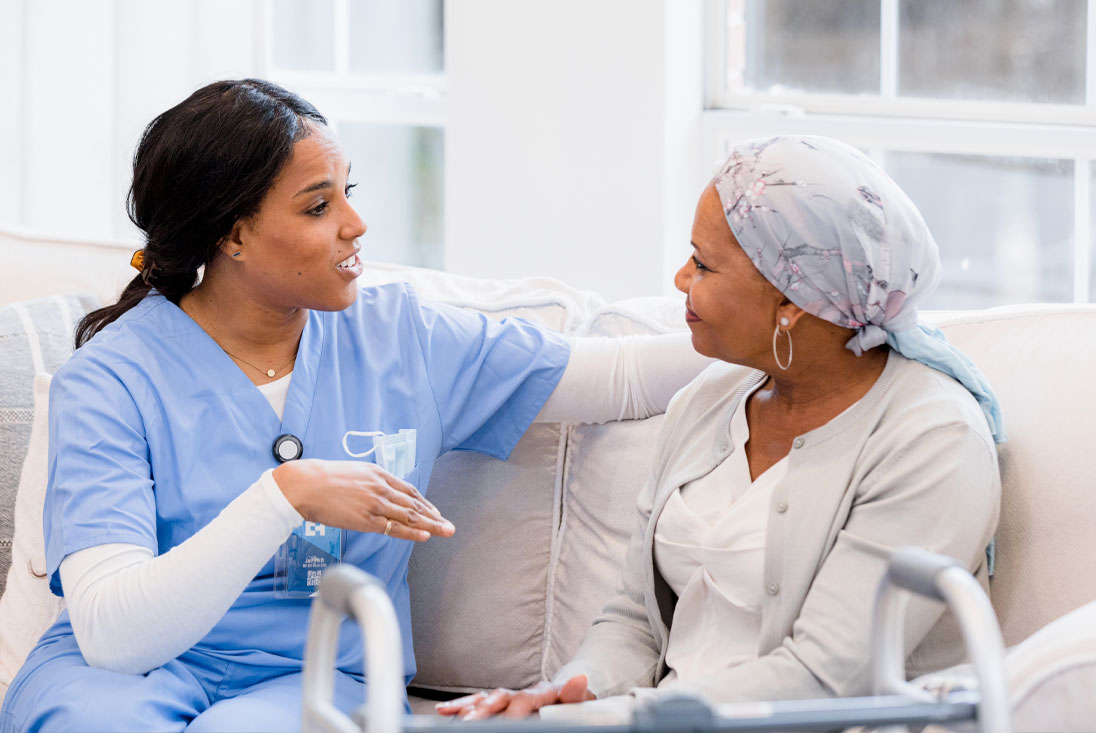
[517, 703]
[359, 496]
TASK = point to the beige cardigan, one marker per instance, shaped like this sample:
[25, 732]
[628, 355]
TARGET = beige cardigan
[911, 463]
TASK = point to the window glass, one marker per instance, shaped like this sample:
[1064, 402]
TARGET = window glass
[1092, 235]
[1000, 50]
[304, 35]
[1004, 225]
[400, 193]
[396, 37]
[828, 46]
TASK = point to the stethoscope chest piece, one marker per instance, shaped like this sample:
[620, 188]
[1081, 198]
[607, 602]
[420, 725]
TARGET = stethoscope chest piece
[288, 448]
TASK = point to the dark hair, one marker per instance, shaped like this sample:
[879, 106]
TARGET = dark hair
[200, 167]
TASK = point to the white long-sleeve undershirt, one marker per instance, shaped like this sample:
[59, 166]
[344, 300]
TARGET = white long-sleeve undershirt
[644, 372]
[133, 611]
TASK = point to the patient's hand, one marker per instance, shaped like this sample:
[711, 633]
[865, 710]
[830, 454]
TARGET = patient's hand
[517, 703]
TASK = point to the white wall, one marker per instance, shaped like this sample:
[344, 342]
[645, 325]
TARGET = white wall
[572, 139]
[80, 81]
[572, 126]
[11, 102]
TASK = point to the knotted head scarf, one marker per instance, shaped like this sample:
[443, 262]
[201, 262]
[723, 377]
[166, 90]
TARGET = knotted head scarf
[837, 236]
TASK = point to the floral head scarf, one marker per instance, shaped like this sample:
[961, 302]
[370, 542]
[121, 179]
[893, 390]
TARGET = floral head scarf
[837, 236]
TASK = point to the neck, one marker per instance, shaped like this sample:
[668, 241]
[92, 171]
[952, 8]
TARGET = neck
[836, 377]
[259, 334]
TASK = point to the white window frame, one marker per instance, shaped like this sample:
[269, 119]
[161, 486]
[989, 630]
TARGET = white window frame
[907, 124]
[345, 96]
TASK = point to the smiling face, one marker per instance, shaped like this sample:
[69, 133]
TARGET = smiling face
[299, 250]
[731, 308]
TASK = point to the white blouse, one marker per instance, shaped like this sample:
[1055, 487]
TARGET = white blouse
[710, 548]
[276, 393]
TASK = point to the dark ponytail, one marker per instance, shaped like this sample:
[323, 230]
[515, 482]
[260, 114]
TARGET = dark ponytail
[199, 168]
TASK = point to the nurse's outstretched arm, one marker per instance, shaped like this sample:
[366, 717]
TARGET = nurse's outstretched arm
[360, 496]
[625, 378]
[132, 612]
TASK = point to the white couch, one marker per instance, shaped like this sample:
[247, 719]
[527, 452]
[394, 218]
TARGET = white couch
[505, 602]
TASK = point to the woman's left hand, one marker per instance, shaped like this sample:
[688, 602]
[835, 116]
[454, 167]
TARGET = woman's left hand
[517, 703]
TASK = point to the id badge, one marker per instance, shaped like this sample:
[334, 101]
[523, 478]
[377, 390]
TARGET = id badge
[301, 560]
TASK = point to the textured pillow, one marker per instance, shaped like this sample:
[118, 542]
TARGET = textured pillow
[27, 607]
[35, 336]
[607, 465]
[478, 599]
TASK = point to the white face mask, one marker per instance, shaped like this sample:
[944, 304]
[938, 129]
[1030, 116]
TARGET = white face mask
[371, 434]
[395, 453]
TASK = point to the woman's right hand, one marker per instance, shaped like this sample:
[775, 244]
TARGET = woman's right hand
[517, 703]
[359, 496]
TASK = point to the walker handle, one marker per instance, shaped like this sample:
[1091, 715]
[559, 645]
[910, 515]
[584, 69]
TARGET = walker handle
[917, 570]
[942, 578]
[346, 590]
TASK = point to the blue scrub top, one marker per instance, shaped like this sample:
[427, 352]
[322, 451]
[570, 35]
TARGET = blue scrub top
[154, 430]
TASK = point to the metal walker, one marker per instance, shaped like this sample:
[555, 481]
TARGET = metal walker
[347, 591]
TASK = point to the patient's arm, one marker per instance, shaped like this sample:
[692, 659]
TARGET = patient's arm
[622, 378]
[517, 703]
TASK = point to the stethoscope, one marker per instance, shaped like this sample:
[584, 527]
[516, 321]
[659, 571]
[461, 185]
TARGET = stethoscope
[287, 447]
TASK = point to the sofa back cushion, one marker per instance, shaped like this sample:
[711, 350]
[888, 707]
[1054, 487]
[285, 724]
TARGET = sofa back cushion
[35, 336]
[1039, 361]
[478, 599]
[606, 467]
[27, 607]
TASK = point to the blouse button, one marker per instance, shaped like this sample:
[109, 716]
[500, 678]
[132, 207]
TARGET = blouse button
[782, 507]
[773, 589]
[797, 443]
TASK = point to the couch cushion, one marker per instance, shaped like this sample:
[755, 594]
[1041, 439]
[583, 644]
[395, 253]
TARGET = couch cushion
[478, 599]
[35, 336]
[606, 468]
[1052, 673]
[27, 607]
[1039, 361]
[1050, 676]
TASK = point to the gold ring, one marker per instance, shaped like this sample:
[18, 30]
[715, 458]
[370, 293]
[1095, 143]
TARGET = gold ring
[388, 528]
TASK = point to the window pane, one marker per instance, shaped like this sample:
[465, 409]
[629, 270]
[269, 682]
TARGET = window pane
[400, 37]
[399, 172]
[812, 46]
[1023, 50]
[1092, 235]
[1004, 225]
[304, 35]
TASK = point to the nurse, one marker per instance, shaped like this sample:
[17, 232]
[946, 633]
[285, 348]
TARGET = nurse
[168, 494]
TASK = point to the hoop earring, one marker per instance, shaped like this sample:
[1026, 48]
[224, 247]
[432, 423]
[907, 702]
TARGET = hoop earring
[776, 332]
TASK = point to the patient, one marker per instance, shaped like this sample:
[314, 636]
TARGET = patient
[834, 429]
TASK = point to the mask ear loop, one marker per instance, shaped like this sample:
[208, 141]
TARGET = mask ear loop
[370, 434]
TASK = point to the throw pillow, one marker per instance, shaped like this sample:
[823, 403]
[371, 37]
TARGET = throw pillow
[35, 336]
[27, 607]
